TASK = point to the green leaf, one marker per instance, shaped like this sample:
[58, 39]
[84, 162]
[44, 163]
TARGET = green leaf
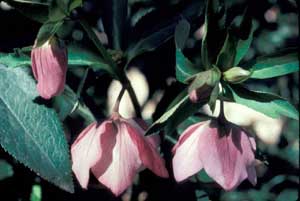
[287, 194]
[266, 103]
[47, 31]
[273, 66]
[30, 132]
[214, 32]
[74, 4]
[243, 45]
[180, 109]
[213, 97]
[225, 59]
[150, 42]
[6, 170]
[68, 103]
[13, 60]
[36, 193]
[203, 177]
[58, 10]
[184, 67]
[115, 22]
[77, 56]
[34, 11]
[182, 32]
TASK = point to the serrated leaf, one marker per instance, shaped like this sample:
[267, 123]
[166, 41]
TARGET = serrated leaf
[274, 66]
[269, 104]
[31, 132]
[46, 31]
[6, 170]
[184, 67]
[182, 32]
[14, 60]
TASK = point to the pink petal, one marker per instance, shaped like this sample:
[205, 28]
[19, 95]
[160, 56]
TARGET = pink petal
[226, 158]
[147, 151]
[49, 66]
[185, 135]
[186, 161]
[85, 152]
[122, 164]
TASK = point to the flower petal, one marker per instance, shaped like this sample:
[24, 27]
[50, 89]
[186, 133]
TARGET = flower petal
[124, 162]
[147, 148]
[49, 66]
[226, 158]
[85, 152]
[186, 161]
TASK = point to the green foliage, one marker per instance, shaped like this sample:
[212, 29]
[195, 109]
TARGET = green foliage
[184, 67]
[36, 193]
[214, 26]
[266, 103]
[182, 32]
[14, 60]
[6, 170]
[30, 132]
[115, 22]
[47, 31]
[179, 109]
[276, 65]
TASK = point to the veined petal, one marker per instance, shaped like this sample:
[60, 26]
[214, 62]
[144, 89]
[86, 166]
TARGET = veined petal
[85, 152]
[49, 66]
[226, 157]
[147, 148]
[186, 161]
[124, 162]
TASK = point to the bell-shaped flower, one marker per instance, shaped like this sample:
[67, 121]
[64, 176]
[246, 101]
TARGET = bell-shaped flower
[49, 67]
[224, 150]
[115, 151]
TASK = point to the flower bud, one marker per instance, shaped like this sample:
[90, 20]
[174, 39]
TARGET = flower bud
[49, 67]
[236, 75]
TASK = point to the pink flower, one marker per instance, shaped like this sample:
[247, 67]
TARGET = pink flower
[115, 151]
[225, 151]
[49, 66]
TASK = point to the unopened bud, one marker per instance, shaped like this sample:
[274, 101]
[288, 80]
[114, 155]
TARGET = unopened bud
[49, 66]
[236, 75]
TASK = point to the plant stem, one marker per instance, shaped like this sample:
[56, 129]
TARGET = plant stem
[81, 84]
[118, 101]
[119, 75]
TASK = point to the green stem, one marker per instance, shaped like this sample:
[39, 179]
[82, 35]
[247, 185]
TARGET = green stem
[118, 101]
[81, 84]
[134, 99]
[121, 76]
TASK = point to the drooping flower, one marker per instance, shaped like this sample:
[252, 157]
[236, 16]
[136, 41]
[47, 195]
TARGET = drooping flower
[49, 67]
[224, 150]
[115, 151]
